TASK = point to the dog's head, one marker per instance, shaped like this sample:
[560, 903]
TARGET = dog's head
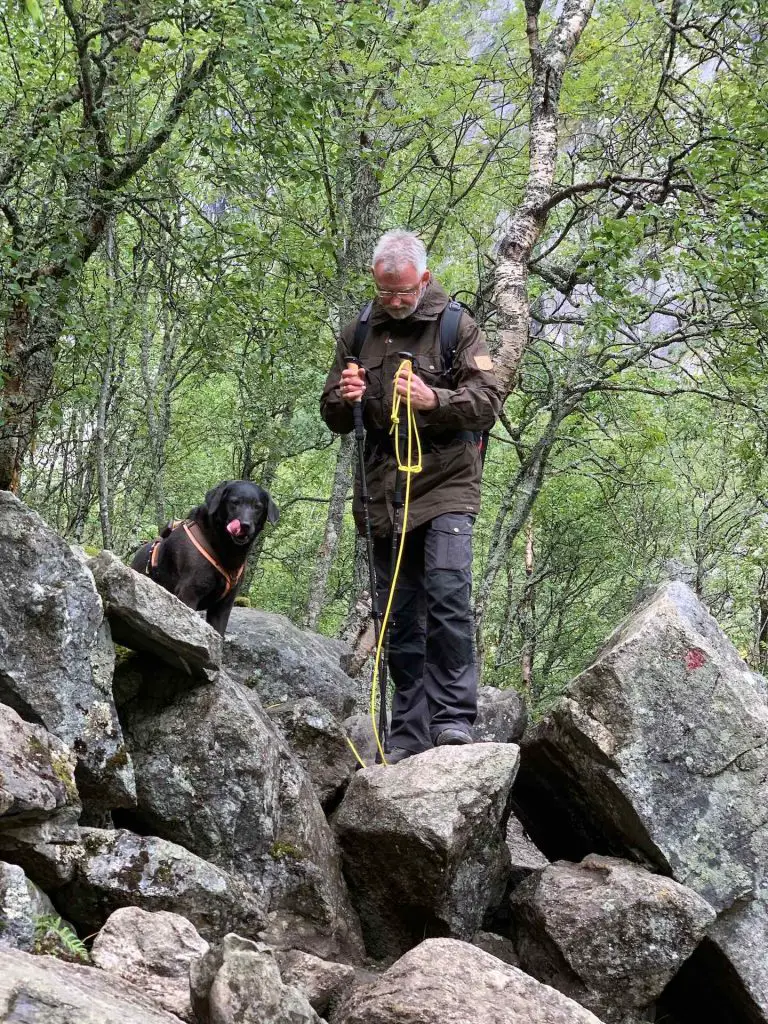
[239, 509]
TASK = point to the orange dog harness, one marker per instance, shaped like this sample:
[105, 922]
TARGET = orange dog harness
[196, 537]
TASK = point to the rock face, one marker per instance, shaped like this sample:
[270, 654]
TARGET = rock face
[501, 715]
[146, 617]
[321, 981]
[659, 751]
[443, 981]
[663, 744]
[319, 743]
[119, 869]
[154, 951]
[50, 619]
[281, 662]
[524, 856]
[44, 989]
[39, 803]
[606, 932]
[248, 989]
[423, 843]
[229, 789]
[741, 937]
[37, 775]
[21, 904]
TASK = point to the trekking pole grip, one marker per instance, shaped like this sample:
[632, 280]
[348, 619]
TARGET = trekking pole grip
[357, 407]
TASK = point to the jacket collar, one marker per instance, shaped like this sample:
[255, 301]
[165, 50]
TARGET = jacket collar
[433, 302]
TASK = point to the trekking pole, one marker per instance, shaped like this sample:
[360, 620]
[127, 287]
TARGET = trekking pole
[357, 417]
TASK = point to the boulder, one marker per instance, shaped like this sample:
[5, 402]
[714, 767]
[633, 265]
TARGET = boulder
[146, 617]
[319, 743]
[740, 942]
[359, 728]
[154, 951]
[281, 662]
[215, 775]
[658, 751]
[524, 855]
[444, 981]
[423, 843]
[322, 982]
[119, 869]
[501, 715]
[39, 802]
[37, 775]
[21, 905]
[45, 989]
[606, 932]
[51, 608]
[499, 946]
[248, 989]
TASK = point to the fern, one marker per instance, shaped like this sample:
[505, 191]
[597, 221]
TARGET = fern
[55, 938]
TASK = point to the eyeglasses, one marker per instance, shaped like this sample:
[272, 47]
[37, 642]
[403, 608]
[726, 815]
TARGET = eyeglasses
[407, 293]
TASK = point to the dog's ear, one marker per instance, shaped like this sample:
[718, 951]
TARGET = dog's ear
[215, 496]
[273, 512]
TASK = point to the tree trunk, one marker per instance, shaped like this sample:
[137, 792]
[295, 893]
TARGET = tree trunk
[332, 534]
[528, 618]
[514, 511]
[548, 64]
[27, 374]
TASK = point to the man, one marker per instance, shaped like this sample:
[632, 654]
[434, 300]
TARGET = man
[431, 656]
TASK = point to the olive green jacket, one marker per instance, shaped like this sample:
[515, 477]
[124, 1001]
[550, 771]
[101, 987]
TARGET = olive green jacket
[469, 399]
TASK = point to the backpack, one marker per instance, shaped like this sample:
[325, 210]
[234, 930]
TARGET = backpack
[449, 334]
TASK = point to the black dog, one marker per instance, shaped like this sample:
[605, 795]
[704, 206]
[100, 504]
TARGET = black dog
[201, 559]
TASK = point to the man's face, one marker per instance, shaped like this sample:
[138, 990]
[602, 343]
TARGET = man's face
[400, 291]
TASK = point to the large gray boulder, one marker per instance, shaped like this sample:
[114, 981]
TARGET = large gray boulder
[154, 952]
[51, 652]
[22, 904]
[606, 932]
[116, 868]
[659, 752]
[214, 774]
[247, 989]
[146, 617]
[37, 775]
[423, 843]
[46, 990]
[281, 662]
[319, 743]
[444, 981]
[502, 716]
[39, 802]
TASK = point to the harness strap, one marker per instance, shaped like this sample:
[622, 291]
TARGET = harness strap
[232, 579]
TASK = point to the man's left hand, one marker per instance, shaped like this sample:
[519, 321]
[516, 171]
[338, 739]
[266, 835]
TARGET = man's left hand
[422, 396]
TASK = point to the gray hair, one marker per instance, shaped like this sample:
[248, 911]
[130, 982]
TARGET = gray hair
[397, 248]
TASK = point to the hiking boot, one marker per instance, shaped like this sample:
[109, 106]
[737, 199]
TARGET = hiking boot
[397, 754]
[452, 738]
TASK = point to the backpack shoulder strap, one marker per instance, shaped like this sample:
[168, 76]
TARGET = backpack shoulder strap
[449, 332]
[361, 330]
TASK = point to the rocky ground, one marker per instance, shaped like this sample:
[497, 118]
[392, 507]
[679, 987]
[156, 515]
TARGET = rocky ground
[184, 834]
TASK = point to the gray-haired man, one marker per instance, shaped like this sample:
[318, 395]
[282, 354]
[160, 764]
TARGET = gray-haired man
[431, 652]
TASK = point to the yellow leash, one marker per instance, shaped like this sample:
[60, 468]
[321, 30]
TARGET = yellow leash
[409, 468]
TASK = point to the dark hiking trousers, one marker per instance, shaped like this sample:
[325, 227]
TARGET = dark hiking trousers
[431, 654]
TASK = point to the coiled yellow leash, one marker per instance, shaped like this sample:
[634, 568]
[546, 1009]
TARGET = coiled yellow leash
[409, 467]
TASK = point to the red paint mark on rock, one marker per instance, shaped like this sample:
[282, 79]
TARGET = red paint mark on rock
[695, 659]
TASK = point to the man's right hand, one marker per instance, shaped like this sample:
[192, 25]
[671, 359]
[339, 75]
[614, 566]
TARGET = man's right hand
[352, 385]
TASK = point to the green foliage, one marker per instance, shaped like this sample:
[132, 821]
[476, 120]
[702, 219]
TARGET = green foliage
[55, 938]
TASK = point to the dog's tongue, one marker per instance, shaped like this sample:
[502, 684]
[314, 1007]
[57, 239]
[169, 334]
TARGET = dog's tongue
[233, 528]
